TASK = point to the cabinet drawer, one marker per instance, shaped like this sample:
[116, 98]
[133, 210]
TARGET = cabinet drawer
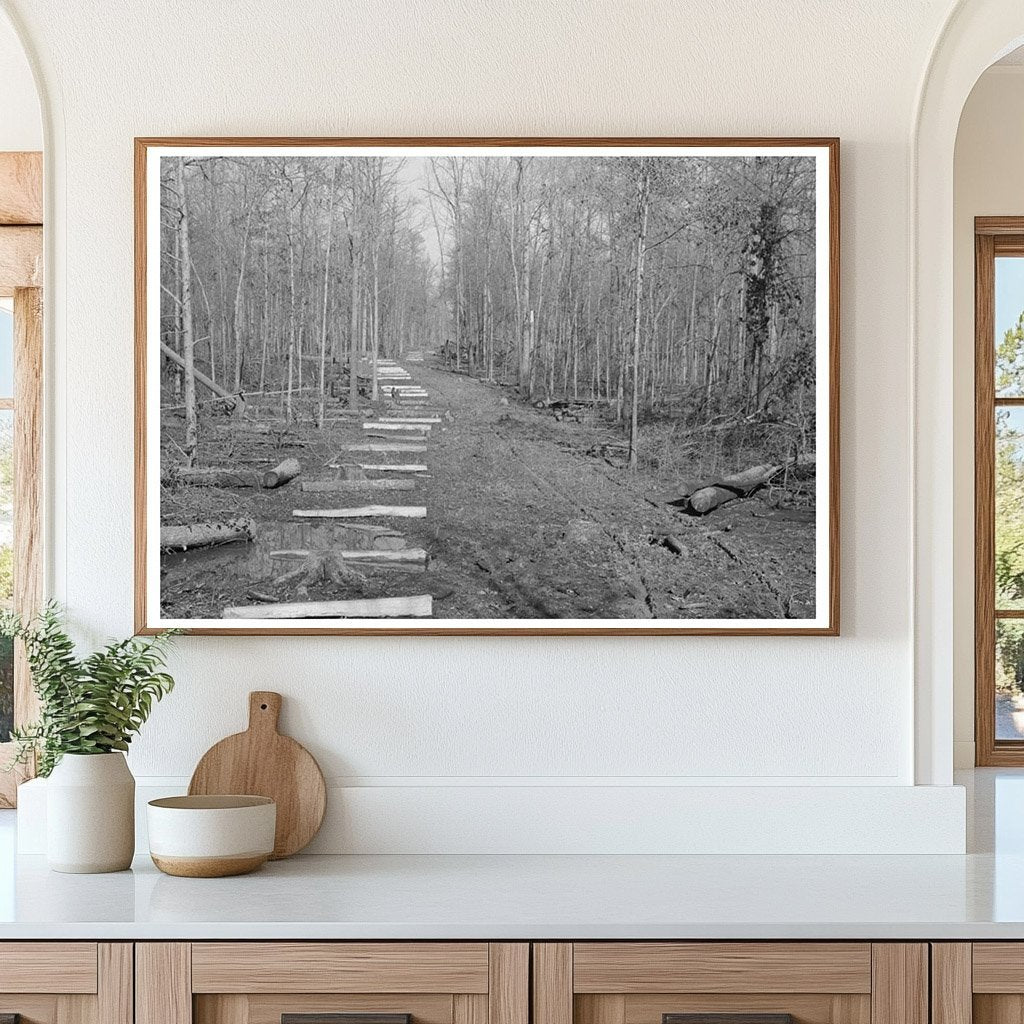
[730, 983]
[332, 983]
[66, 982]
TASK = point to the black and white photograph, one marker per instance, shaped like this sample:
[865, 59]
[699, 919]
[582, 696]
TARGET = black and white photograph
[442, 387]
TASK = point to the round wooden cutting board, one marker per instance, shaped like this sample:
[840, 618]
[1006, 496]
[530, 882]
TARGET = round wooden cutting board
[262, 762]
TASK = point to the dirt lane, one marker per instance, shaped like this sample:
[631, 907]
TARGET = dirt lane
[526, 519]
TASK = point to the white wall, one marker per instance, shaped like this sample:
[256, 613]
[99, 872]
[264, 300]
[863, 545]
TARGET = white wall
[438, 715]
[987, 181]
[21, 127]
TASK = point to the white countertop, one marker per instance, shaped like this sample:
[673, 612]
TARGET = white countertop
[516, 897]
[977, 896]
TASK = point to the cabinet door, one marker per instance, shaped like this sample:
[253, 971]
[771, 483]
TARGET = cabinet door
[65, 983]
[332, 983]
[730, 983]
[980, 982]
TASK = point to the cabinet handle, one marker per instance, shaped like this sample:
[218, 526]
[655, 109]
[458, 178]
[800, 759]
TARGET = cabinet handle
[336, 1018]
[727, 1018]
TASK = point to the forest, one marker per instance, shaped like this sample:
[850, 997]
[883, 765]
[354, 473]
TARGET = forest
[663, 288]
[577, 340]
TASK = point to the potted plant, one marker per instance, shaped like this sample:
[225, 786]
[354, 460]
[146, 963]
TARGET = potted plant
[90, 708]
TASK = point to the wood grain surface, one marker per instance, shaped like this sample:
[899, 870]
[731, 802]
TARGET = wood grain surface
[262, 762]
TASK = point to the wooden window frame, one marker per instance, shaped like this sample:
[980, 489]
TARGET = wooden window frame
[21, 274]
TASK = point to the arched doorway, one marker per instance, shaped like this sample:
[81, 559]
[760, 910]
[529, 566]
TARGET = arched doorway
[976, 34]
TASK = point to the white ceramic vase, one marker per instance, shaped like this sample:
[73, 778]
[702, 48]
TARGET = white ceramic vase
[90, 814]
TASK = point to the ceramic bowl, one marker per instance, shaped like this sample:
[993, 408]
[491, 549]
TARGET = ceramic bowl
[211, 836]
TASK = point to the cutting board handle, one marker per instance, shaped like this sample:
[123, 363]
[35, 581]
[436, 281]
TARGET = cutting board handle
[264, 710]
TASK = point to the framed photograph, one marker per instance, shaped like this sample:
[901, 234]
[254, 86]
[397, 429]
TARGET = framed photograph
[500, 386]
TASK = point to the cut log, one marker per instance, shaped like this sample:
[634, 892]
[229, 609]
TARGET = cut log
[203, 535]
[281, 473]
[713, 494]
[353, 485]
[421, 428]
[378, 608]
[211, 476]
[404, 446]
[366, 511]
[238, 400]
[413, 555]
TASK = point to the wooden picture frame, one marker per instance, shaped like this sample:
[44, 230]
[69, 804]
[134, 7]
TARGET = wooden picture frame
[821, 554]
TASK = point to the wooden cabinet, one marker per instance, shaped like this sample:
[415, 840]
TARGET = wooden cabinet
[310, 982]
[978, 983]
[753, 982]
[66, 982]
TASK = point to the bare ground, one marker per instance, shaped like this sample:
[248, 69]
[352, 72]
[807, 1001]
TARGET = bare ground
[526, 518]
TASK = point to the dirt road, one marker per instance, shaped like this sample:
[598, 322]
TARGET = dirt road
[526, 519]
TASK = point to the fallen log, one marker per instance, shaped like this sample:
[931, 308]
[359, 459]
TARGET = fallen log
[237, 400]
[204, 535]
[711, 495]
[384, 511]
[378, 608]
[351, 485]
[404, 446]
[284, 471]
[414, 555]
[211, 476]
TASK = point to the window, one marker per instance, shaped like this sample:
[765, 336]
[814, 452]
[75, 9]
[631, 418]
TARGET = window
[999, 490]
[21, 365]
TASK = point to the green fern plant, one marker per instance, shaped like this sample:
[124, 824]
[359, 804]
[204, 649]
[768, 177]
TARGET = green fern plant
[90, 705]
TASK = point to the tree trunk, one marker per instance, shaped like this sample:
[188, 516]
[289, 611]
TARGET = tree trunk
[643, 188]
[202, 535]
[323, 319]
[188, 344]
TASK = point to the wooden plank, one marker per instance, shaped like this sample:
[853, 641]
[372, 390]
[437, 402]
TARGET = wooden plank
[357, 485]
[423, 428]
[403, 555]
[508, 994]
[722, 967]
[21, 259]
[989, 1008]
[163, 983]
[899, 983]
[66, 967]
[401, 467]
[552, 983]
[28, 489]
[224, 1009]
[409, 419]
[998, 967]
[115, 983]
[418, 607]
[951, 999]
[365, 511]
[468, 1009]
[398, 446]
[605, 1009]
[305, 967]
[21, 188]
